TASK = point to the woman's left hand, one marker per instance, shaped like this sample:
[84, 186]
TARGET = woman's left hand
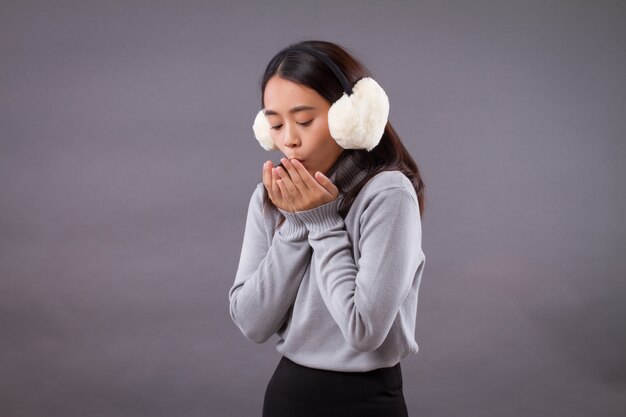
[303, 190]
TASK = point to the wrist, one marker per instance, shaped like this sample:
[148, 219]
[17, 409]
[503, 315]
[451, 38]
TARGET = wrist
[322, 217]
[293, 226]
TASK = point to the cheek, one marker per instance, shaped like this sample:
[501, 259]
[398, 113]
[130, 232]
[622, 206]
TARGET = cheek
[323, 137]
[323, 124]
[274, 136]
[321, 130]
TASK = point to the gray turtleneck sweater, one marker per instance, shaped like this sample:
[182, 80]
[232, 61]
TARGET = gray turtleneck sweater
[341, 294]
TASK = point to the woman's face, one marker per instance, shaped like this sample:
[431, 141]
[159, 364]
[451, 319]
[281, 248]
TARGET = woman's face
[298, 117]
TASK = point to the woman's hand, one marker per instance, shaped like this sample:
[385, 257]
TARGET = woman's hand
[296, 189]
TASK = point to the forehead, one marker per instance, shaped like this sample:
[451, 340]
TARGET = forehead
[281, 95]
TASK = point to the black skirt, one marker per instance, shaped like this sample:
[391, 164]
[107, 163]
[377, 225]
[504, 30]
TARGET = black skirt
[299, 391]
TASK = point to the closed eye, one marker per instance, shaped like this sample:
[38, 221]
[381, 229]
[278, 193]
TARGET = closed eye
[277, 127]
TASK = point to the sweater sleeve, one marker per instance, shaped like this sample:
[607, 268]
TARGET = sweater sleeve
[269, 274]
[364, 297]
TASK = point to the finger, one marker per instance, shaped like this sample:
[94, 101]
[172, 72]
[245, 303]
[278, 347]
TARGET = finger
[325, 182]
[308, 181]
[290, 191]
[275, 188]
[267, 180]
[283, 191]
[267, 175]
[296, 176]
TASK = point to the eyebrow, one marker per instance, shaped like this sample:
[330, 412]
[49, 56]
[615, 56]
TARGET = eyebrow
[293, 110]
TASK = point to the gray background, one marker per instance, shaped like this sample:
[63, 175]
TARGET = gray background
[127, 161]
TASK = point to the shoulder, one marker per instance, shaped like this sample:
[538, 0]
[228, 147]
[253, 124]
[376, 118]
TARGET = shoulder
[258, 191]
[256, 202]
[388, 182]
[257, 195]
[256, 198]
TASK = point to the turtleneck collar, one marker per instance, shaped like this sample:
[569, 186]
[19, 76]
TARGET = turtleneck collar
[351, 173]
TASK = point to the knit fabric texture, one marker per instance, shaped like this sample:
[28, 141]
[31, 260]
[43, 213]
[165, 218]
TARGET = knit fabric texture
[340, 294]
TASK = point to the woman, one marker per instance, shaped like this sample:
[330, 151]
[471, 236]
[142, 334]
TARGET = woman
[331, 259]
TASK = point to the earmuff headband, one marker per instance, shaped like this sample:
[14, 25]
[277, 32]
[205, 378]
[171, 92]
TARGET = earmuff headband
[347, 87]
[356, 120]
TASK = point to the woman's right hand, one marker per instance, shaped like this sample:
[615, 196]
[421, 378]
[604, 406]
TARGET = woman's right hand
[273, 190]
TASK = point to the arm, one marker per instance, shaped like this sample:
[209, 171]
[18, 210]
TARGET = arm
[268, 277]
[364, 298]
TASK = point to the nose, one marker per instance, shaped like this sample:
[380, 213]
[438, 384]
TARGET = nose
[291, 138]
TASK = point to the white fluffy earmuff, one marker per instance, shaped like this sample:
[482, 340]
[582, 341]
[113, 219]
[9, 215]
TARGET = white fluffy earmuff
[356, 120]
[261, 128]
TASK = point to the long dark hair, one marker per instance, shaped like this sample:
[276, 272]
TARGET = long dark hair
[302, 68]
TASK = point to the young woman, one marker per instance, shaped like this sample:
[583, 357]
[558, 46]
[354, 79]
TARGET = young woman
[331, 259]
